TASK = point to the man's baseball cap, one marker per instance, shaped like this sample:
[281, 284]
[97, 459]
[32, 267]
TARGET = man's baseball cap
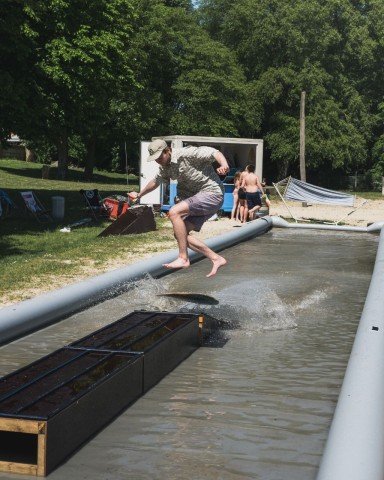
[155, 148]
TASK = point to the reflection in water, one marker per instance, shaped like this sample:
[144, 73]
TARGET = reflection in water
[260, 406]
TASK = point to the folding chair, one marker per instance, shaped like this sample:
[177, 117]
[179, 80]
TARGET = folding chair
[6, 204]
[94, 203]
[35, 207]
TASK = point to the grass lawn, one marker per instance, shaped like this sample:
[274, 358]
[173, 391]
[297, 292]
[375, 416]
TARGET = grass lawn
[34, 255]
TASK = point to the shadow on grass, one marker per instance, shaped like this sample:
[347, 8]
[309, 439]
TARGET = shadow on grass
[7, 248]
[20, 221]
[72, 175]
[74, 210]
[22, 235]
[21, 176]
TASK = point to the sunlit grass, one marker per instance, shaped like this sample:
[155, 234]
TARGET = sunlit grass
[33, 254]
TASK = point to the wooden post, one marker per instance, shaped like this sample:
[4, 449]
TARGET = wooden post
[303, 176]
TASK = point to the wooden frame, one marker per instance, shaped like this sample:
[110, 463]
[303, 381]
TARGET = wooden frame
[51, 407]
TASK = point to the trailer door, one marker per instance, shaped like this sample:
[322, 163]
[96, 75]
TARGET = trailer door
[147, 171]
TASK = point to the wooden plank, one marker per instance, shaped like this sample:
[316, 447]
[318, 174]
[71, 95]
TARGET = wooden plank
[20, 425]
[25, 427]
[23, 468]
[42, 450]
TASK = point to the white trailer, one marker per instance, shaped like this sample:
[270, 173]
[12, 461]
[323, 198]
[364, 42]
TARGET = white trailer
[239, 152]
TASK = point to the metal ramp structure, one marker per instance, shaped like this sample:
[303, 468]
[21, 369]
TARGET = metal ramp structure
[51, 407]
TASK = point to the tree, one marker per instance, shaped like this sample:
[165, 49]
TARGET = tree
[81, 60]
[209, 93]
[325, 48]
[18, 92]
[188, 83]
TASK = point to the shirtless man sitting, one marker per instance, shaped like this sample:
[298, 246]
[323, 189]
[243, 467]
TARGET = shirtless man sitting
[253, 187]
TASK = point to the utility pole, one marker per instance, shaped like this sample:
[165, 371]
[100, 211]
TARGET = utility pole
[303, 177]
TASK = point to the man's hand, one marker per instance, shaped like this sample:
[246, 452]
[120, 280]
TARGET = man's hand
[133, 197]
[222, 170]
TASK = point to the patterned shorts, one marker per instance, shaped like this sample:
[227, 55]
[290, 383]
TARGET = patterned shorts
[201, 208]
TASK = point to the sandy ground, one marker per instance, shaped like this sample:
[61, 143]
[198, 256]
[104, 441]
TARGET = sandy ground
[365, 213]
[370, 212]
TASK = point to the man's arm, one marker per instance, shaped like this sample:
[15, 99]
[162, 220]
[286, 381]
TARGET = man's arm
[222, 161]
[259, 185]
[242, 180]
[149, 187]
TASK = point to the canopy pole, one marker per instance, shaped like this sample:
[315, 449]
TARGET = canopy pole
[282, 198]
[303, 176]
[353, 211]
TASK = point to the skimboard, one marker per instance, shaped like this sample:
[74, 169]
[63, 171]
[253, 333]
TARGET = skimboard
[191, 297]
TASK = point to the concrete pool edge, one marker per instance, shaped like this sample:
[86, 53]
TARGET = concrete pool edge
[354, 448]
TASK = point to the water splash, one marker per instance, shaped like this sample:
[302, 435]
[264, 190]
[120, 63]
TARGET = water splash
[311, 299]
[256, 309]
[252, 308]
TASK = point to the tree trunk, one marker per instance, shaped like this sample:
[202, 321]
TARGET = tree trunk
[29, 155]
[62, 153]
[90, 160]
[282, 169]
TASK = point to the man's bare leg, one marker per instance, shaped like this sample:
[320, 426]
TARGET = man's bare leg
[253, 211]
[241, 212]
[198, 246]
[245, 215]
[181, 231]
[177, 214]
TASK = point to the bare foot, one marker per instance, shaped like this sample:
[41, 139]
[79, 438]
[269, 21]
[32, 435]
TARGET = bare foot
[219, 262]
[178, 263]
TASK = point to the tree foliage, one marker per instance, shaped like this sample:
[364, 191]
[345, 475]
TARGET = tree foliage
[18, 88]
[187, 83]
[90, 76]
[331, 50]
[79, 61]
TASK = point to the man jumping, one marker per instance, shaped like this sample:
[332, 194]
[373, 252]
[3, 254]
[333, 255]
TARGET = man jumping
[199, 189]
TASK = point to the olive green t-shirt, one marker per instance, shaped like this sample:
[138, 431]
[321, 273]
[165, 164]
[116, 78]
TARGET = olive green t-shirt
[192, 168]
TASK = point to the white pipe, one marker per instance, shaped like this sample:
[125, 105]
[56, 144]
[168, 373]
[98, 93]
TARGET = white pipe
[355, 445]
[280, 222]
[25, 317]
